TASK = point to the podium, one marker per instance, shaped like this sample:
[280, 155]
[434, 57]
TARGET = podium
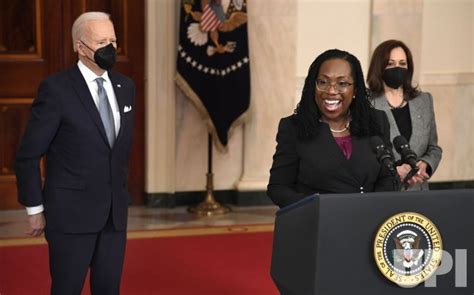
[324, 244]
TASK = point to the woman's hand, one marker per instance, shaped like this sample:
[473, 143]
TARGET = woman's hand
[421, 175]
[403, 171]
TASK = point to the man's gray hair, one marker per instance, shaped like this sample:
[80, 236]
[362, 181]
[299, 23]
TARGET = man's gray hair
[79, 24]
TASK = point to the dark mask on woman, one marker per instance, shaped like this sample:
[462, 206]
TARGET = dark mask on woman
[394, 77]
[105, 56]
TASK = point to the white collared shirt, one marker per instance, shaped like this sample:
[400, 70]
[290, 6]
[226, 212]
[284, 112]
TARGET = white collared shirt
[90, 77]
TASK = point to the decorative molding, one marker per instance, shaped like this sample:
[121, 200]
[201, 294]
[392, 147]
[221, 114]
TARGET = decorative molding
[246, 185]
[161, 233]
[8, 178]
[37, 55]
[445, 185]
[200, 231]
[431, 79]
[439, 79]
[16, 101]
[168, 200]
[397, 7]
[254, 198]
[39, 23]
[125, 21]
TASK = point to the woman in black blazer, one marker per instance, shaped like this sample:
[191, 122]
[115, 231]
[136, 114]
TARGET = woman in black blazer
[324, 147]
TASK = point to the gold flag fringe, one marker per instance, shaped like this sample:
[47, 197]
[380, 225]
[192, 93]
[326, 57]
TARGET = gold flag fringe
[189, 92]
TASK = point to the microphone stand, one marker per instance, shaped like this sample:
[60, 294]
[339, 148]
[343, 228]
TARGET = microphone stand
[385, 157]
[410, 174]
[408, 157]
[396, 181]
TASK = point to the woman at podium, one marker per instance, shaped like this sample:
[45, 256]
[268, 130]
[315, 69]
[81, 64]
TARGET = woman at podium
[324, 147]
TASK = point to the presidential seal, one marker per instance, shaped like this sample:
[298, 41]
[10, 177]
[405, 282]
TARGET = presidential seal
[408, 248]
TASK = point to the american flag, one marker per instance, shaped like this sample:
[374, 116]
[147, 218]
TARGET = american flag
[218, 84]
[209, 20]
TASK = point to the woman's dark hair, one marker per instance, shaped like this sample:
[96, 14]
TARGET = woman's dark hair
[379, 62]
[307, 114]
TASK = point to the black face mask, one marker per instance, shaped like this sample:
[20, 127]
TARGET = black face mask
[394, 77]
[105, 56]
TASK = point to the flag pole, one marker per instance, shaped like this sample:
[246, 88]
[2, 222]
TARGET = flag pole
[209, 206]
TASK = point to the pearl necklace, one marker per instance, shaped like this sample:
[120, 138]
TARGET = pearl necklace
[341, 130]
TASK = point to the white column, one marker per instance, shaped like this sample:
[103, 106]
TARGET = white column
[160, 98]
[272, 46]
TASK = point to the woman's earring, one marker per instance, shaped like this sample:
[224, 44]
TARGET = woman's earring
[354, 97]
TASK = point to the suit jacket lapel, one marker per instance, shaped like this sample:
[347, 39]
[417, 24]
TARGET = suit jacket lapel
[82, 91]
[382, 104]
[119, 95]
[357, 159]
[334, 152]
[327, 140]
[416, 111]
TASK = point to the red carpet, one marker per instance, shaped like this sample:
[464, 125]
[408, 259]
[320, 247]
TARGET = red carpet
[211, 264]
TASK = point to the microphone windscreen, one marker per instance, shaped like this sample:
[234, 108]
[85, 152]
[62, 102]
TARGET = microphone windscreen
[375, 142]
[399, 141]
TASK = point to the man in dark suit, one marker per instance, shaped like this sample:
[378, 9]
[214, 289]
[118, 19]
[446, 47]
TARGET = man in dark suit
[82, 121]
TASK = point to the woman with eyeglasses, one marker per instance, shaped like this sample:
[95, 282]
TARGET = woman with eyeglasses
[409, 111]
[324, 147]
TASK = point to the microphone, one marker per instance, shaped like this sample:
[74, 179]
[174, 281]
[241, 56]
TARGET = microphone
[403, 148]
[382, 153]
[408, 156]
[385, 157]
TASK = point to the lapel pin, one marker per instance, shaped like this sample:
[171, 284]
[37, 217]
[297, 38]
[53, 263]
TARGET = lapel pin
[119, 85]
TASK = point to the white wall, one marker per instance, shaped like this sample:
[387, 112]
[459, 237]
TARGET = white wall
[328, 24]
[284, 38]
[448, 36]
[447, 71]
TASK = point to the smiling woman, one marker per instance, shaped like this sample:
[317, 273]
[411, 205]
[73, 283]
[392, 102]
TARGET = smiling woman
[335, 93]
[324, 147]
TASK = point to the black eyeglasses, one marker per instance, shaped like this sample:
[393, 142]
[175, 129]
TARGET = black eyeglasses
[339, 86]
